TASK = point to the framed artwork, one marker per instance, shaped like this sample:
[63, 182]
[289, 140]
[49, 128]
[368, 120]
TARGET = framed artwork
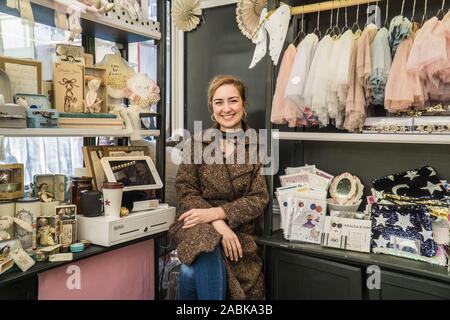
[136, 173]
[93, 155]
[25, 75]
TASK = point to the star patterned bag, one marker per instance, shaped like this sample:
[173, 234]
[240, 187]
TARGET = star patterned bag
[422, 183]
[403, 229]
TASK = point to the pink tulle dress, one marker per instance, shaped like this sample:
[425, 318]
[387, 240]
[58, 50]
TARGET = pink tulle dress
[280, 105]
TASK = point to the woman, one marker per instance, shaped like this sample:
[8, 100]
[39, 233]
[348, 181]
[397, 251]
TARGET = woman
[219, 208]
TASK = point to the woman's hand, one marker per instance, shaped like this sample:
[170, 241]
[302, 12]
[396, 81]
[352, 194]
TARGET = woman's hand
[198, 216]
[230, 242]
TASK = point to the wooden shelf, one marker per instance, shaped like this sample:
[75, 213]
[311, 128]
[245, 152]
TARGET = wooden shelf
[363, 137]
[105, 28]
[60, 132]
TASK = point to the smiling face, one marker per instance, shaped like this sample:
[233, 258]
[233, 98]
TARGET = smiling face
[228, 107]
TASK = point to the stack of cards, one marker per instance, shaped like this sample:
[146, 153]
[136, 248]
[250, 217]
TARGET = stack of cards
[302, 200]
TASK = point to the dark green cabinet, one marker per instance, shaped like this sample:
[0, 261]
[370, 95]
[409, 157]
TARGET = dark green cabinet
[399, 286]
[293, 274]
[296, 276]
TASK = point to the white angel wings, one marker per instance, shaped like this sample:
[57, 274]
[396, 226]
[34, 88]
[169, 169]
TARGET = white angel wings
[276, 26]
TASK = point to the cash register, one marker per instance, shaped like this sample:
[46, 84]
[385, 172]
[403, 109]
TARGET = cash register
[147, 217]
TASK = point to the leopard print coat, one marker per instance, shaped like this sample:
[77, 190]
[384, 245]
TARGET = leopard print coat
[241, 191]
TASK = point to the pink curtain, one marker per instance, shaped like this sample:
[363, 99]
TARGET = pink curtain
[122, 274]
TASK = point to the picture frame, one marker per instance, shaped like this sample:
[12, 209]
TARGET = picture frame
[70, 53]
[67, 232]
[25, 75]
[39, 101]
[136, 173]
[66, 212]
[92, 156]
[7, 247]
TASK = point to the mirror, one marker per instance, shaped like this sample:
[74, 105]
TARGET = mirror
[344, 188]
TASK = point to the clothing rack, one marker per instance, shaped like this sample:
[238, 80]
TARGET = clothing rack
[327, 5]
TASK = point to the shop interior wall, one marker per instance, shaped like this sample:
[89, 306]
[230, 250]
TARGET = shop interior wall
[218, 47]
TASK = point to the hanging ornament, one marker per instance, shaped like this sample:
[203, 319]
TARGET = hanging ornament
[247, 16]
[186, 14]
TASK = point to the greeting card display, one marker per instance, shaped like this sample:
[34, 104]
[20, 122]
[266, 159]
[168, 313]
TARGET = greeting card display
[68, 86]
[306, 218]
[345, 233]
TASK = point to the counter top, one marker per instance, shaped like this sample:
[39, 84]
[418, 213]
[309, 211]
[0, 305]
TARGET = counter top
[93, 250]
[386, 262]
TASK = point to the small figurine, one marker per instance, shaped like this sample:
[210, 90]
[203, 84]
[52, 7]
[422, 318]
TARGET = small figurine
[45, 233]
[124, 212]
[92, 103]
[43, 194]
[22, 102]
[4, 253]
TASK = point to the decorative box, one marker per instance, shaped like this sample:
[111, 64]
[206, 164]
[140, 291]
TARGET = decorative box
[100, 73]
[33, 101]
[11, 181]
[28, 210]
[432, 124]
[68, 87]
[38, 118]
[388, 125]
[51, 191]
[13, 116]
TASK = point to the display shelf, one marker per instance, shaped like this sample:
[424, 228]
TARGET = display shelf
[388, 262]
[13, 276]
[105, 27]
[363, 137]
[60, 132]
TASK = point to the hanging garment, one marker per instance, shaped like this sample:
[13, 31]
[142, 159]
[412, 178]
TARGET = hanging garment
[359, 92]
[380, 55]
[399, 30]
[297, 79]
[338, 77]
[422, 61]
[433, 65]
[279, 103]
[404, 89]
[316, 87]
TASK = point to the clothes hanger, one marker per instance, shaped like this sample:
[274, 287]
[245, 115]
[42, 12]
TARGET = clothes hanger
[386, 23]
[345, 27]
[441, 10]
[302, 32]
[413, 12]
[317, 30]
[424, 12]
[330, 28]
[403, 6]
[356, 24]
[336, 32]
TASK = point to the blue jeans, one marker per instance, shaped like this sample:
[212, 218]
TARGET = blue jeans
[204, 279]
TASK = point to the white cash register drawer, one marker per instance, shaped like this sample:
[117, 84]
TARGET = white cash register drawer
[107, 231]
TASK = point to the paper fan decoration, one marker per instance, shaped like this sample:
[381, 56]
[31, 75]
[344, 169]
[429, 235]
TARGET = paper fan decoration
[186, 14]
[247, 15]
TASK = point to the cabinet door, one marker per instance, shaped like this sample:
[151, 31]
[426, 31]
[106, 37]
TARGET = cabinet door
[25, 289]
[399, 286]
[295, 276]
